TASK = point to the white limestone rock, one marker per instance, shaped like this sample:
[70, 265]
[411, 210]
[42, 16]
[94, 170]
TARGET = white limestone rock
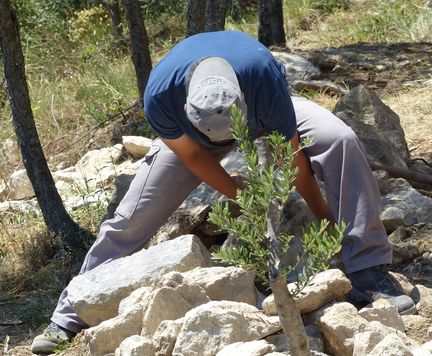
[416, 327]
[325, 287]
[297, 67]
[287, 353]
[365, 341]
[423, 350]
[210, 327]
[107, 336]
[94, 197]
[384, 331]
[339, 323]
[143, 311]
[3, 189]
[404, 282]
[137, 146]
[383, 311]
[24, 206]
[133, 299]
[72, 184]
[225, 283]
[390, 345]
[424, 306]
[19, 186]
[402, 205]
[165, 336]
[374, 334]
[100, 163]
[184, 220]
[170, 302]
[135, 346]
[95, 295]
[128, 167]
[250, 348]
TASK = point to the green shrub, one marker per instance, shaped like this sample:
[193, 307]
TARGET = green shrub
[267, 189]
[90, 30]
[154, 10]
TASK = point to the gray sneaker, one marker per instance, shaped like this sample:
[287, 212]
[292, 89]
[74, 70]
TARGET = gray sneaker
[49, 340]
[376, 283]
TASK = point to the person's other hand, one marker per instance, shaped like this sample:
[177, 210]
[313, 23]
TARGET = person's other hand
[239, 179]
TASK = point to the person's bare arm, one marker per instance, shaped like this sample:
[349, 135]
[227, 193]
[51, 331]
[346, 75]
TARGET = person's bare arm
[203, 164]
[307, 185]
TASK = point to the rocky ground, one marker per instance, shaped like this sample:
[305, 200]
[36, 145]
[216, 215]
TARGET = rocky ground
[401, 75]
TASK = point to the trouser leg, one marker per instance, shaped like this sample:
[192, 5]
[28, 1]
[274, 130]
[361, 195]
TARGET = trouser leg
[352, 193]
[160, 186]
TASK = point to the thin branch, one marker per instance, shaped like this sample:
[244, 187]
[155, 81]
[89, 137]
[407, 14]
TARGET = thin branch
[402, 172]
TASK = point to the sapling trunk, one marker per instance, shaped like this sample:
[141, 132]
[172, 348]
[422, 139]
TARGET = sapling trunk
[288, 312]
[261, 240]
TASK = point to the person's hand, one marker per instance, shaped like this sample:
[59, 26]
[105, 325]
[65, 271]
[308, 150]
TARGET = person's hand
[239, 179]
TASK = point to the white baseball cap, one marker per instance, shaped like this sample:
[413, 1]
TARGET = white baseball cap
[213, 89]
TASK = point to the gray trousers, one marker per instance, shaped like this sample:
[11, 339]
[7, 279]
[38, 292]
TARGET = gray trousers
[163, 182]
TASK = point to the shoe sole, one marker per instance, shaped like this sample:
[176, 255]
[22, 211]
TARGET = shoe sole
[410, 311]
[357, 297]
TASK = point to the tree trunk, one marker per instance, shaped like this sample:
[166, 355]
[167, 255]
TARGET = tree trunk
[288, 312]
[270, 29]
[113, 9]
[56, 218]
[139, 43]
[215, 15]
[195, 17]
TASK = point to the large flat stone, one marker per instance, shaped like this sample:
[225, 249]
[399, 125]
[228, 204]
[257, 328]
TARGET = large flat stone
[209, 327]
[95, 295]
[324, 288]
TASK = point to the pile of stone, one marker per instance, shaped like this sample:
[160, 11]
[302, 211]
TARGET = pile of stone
[86, 182]
[169, 299]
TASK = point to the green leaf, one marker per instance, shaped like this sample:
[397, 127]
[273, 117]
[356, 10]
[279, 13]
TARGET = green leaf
[273, 183]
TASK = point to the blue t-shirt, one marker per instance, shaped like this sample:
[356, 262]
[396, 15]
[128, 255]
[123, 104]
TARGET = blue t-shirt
[261, 79]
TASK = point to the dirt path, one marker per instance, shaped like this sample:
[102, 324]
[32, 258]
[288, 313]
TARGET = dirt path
[384, 68]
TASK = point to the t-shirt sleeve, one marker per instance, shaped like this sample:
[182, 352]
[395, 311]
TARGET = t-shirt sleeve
[281, 116]
[276, 110]
[161, 117]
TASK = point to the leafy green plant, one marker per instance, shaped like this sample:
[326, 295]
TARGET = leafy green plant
[329, 6]
[261, 243]
[162, 9]
[89, 29]
[390, 21]
[63, 345]
[273, 183]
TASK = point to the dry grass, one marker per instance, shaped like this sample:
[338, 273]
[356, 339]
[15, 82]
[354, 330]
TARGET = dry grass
[413, 105]
[325, 100]
[25, 246]
[363, 21]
